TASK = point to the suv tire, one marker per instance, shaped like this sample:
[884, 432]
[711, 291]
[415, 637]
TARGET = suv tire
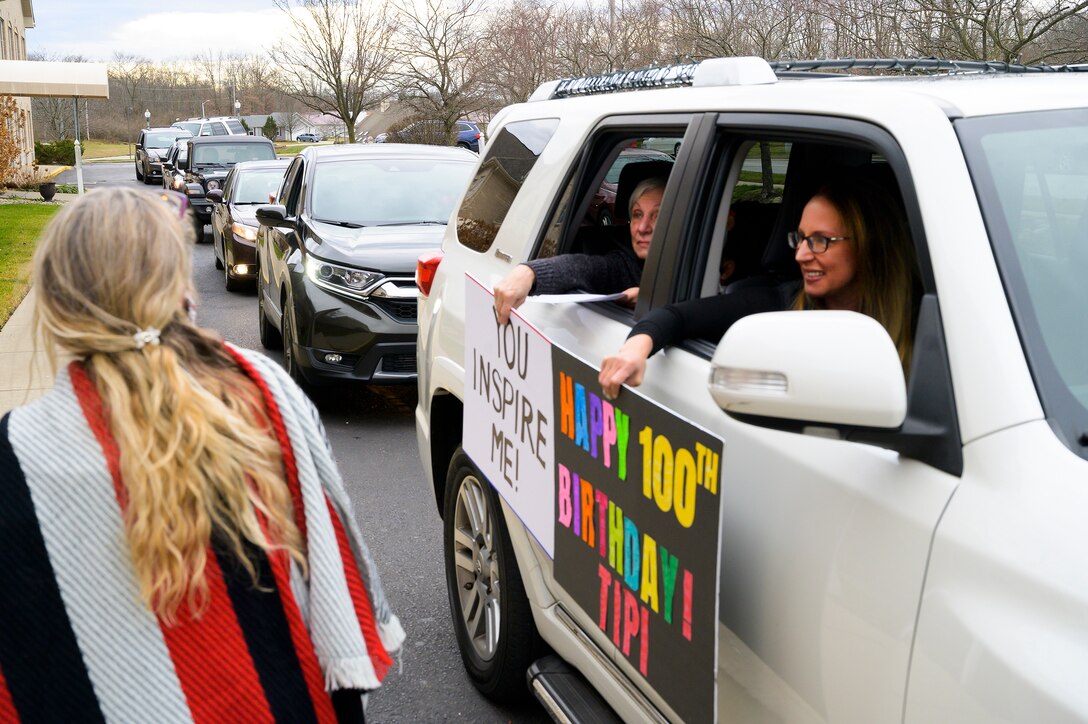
[482, 578]
[270, 336]
[289, 333]
[139, 174]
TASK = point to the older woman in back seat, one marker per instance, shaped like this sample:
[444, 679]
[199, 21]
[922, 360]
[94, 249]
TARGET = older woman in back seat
[619, 270]
[854, 252]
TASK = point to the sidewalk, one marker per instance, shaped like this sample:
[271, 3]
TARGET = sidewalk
[23, 375]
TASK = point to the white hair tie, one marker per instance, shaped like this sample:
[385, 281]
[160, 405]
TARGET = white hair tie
[145, 337]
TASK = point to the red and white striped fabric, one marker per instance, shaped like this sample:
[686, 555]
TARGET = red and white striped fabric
[76, 642]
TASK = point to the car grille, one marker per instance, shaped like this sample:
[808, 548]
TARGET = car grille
[403, 310]
[401, 363]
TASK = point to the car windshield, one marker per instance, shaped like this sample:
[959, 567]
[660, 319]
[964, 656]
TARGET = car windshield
[1030, 171]
[613, 175]
[388, 191]
[232, 153]
[192, 127]
[253, 187]
[164, 139]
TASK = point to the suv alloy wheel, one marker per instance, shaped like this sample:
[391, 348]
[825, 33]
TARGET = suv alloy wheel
[491, 612]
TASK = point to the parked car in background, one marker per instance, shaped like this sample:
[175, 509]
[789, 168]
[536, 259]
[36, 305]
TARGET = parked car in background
[466, 134]
[336, 256]
[151, 148]
[602, 209]
[174, 164]
[234, 222]
[215, 126]
[210, 158]
[308, 137]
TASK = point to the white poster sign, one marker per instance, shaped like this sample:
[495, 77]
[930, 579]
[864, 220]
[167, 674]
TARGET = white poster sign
[509, 411]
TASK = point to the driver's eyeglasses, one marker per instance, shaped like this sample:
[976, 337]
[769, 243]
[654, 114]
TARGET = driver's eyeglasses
[175, 200]
[817, 243]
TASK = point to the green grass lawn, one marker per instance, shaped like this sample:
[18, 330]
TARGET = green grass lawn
[24, 222]
[93, 149]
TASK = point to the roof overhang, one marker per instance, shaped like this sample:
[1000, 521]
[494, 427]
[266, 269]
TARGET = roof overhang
[28, 13]
[32, 78]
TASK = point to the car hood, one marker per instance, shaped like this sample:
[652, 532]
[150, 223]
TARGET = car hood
[211, 172]
[384, 248]
[244, 213]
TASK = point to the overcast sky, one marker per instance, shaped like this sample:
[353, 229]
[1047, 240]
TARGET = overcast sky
[156, 30]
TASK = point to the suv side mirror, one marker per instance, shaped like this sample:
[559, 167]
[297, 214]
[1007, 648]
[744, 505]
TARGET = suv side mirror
[821, 367]
[272, 215]
[215, 195]
[183, 164]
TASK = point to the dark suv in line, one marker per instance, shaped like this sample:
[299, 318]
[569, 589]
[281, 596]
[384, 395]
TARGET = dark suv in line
[151, 149]
[336, 256]
[210, 158]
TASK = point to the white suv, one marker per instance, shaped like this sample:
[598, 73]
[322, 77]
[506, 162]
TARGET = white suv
[912, 555]
[215, 126]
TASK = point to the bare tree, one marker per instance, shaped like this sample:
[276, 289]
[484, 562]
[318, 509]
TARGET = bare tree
[338, 57]
[440, 74]
[520, 49]
[1012, 31]
[129, 73]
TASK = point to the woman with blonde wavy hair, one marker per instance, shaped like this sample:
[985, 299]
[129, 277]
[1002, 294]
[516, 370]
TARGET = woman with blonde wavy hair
[175, 539]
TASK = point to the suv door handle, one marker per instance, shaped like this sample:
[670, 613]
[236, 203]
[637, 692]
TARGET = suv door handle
[499, 253]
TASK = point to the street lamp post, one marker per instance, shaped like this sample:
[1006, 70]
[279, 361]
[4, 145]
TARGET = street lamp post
[147, 118]
[202, 114]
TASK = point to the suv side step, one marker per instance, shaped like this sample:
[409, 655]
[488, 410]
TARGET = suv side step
[567, 697]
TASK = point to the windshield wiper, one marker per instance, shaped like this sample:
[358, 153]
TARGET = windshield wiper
[412, 223]
[345, 224]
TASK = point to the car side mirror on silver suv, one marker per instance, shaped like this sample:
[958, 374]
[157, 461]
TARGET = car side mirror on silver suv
[821, 367]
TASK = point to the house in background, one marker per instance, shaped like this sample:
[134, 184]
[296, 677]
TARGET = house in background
[15, 19]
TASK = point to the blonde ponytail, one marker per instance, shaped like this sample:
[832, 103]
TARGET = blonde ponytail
[197, 456]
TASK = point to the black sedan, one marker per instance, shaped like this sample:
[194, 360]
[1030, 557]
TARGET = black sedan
[234, 222]
[336, 256]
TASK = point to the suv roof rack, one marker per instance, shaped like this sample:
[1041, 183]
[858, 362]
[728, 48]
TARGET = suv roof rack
[754, 70]
[811, 68]
[748, 70]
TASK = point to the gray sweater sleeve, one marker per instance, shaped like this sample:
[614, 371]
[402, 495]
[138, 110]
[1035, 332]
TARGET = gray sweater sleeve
[600, 274]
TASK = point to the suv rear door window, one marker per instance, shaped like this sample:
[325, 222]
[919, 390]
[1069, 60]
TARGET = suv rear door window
[507, 162]
[594, 200]
[236, 127]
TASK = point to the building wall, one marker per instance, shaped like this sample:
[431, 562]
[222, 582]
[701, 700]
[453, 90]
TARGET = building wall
[13, 47]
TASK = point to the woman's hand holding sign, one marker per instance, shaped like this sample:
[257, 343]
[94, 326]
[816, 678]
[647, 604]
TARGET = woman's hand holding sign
[627, 365]
[510, 293]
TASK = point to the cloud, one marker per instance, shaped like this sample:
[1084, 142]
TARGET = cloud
[175, 35]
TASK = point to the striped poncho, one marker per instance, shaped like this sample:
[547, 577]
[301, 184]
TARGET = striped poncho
[77, 643]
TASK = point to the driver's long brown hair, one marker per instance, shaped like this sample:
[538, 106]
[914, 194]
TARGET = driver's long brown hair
[887, 267]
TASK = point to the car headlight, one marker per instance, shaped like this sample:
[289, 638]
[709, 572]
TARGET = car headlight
[249, 233]
[212, 184]
[340, 279]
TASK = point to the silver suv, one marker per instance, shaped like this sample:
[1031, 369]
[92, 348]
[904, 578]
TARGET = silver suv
[776, 525]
